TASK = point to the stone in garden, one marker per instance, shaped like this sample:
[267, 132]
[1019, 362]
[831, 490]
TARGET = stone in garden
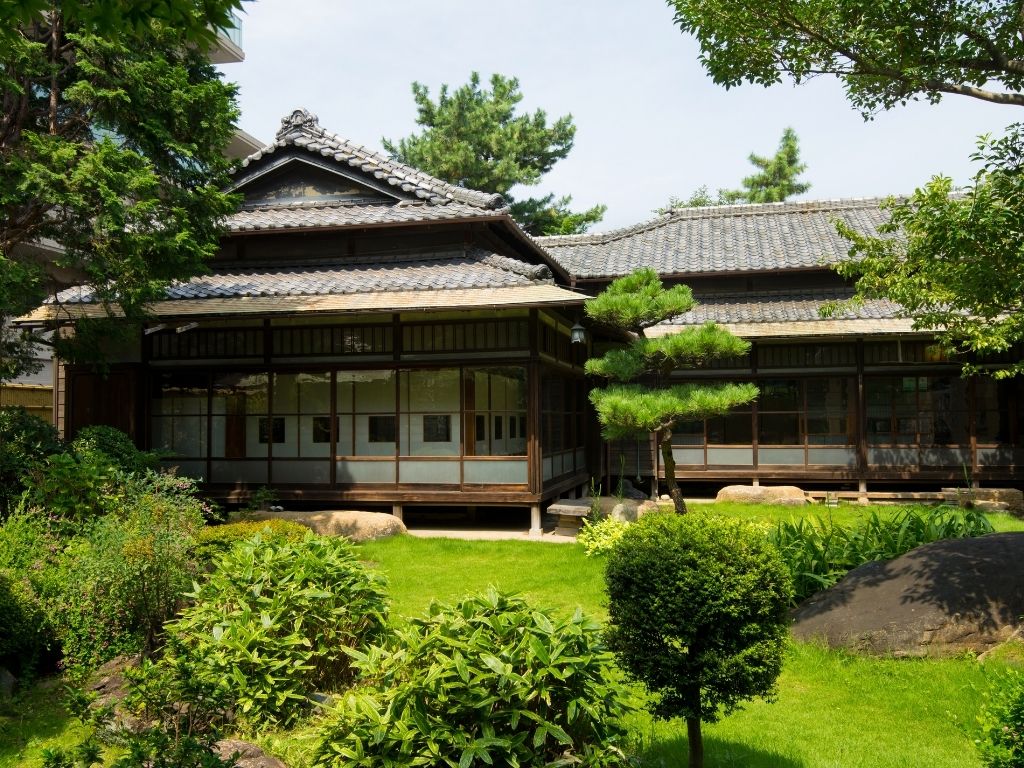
[646, 507]
[249, 755]
[110, 686]
[626, 511]
[358, 526]
[1012, 497]
[991, 506]
[788, 495]
[940, 599]
[630, 491]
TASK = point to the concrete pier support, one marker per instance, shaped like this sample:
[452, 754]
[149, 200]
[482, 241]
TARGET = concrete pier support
[396, 510]
[535, 521]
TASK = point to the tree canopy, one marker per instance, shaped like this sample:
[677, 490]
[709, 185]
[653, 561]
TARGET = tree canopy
[473, 138]
[642, 399]
[776, 180]
[955, 262]
[886, 53]
[698, 612]
[951, 260]
[112, 136]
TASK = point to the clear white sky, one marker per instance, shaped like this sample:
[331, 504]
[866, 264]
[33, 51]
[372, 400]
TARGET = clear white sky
[650, 123]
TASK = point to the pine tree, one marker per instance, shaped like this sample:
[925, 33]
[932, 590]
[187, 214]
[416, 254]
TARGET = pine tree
[642, 399]
[776, 177]
[474, 138]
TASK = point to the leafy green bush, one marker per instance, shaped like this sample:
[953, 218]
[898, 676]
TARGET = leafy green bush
[598, 537]
[73, 488]
[819, 552]
[213, 541]
[1002, 722]
[275, 621]
[24, 635]
[698, 613]
[117, 448]
[489, 680]
[25, 441]
[123, 578]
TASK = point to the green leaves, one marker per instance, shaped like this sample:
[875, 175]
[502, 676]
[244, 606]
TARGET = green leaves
[474, 138]
[885, 53]
[281, 620]
[626, 410]
[638, 301]
[819, 552]
[698, 612]
[488, 680]
[955, 263]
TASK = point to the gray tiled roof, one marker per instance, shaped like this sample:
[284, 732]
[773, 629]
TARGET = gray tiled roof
[727, 238]
[451, 270]
[781, 306]
[302, 129]
[335, 214]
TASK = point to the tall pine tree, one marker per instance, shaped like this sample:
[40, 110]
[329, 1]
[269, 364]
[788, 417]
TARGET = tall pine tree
[473, 137]
[642, 398]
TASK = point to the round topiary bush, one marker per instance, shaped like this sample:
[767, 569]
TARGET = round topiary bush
[698, 613]
[488, 680]
[277, 621]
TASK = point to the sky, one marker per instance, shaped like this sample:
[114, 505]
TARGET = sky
[650, 122]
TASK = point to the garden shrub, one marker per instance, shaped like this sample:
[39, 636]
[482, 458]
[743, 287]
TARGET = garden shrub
[123, 578]
[598, 537]
[698, 612]
[819, 552]
[1002, 722]
[275, 620]
[488, 680]
[215, 540]
[24, 636]
[25, 440]
[117, 449]
[73, 488]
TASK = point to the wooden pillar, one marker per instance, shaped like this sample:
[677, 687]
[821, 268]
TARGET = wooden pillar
[397, 511]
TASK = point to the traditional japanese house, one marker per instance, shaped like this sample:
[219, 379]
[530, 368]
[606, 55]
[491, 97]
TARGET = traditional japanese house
[371, 335]
[858, 400]
[367, 334]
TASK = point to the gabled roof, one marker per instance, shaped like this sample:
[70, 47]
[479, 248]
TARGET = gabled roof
[720, 239]
[301, 129]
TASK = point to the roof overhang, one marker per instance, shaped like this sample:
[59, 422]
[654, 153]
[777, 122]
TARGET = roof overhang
[901, 326]
[405, 301]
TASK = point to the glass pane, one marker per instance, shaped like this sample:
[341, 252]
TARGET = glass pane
[733, 429]
[436, 390]
[302, 393]
[779, 395]
[373, 391]
[239, 425]
[779, 429]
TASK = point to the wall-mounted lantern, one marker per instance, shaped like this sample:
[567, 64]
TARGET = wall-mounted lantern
[578, 334]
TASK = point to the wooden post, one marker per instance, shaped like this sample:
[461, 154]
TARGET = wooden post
[397, 511]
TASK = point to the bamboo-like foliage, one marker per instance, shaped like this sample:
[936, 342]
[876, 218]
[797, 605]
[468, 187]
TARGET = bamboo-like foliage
[652, 403]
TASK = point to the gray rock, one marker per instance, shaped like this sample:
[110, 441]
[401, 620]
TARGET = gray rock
[358, 526]
[788, 495]
[629, 491]
[248, 754]
[938, 600]
[626, 511]
[110, 686]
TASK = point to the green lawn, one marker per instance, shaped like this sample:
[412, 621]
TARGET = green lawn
[834, 710]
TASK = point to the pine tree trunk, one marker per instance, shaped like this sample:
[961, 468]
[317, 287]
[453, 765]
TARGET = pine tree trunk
[696, 740]
[669, 462]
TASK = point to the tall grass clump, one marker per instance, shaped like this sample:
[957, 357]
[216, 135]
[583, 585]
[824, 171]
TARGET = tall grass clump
[820, 552]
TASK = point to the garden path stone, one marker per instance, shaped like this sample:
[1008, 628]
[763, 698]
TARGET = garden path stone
[940, 599]
[110, 686]
[358, 526]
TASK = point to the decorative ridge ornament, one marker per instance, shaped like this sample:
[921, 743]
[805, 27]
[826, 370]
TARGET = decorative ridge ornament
[298, 120]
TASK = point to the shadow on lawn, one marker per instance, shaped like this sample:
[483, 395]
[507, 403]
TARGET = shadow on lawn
[718, 753]
[36, 717]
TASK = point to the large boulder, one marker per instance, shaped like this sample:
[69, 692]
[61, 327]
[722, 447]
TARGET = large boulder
[940, 599]
[358, 526]
[987, 499]
[788, 495]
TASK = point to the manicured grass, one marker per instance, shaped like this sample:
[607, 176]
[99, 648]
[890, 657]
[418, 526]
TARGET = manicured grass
[556, 576]
[35, 721]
